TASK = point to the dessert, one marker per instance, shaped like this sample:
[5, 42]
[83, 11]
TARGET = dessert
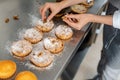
[7, 69]
[41, 58]
[79, 9]
[33, 36]
[26, 75]
[53, 45]
[63, 32]
[21, 48]
[45, 26]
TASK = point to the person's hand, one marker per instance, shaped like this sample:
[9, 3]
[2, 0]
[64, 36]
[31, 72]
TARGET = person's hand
[77, 21]
[54, 8]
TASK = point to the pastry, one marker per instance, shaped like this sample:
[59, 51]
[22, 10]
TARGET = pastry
[79, 9]
[53, 45]
[63, 32]
[59, 15]
[7, 69]
[88, 4]
[26, 75]
[45, 26]
[41, 58]
[21, 48]
[32, 35]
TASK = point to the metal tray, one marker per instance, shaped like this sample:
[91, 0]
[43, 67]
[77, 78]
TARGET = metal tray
[9, 33]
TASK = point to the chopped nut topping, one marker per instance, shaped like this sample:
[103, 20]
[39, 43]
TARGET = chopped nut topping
[7, 20]
[16, 17]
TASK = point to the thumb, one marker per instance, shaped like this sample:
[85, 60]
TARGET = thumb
[50, 16]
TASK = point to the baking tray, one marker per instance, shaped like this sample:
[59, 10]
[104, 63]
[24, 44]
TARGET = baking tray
[9, 32]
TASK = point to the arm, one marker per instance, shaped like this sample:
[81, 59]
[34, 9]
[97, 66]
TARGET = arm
[83, 19]
[102, 19]
[67, 3]
[56, 7]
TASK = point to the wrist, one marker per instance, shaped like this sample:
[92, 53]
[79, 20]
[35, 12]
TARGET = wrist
[101, 19]
[91, 17]
[63, 4]
[67, 3]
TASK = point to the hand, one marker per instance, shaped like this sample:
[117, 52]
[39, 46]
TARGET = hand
[54, 8]
[77, 21]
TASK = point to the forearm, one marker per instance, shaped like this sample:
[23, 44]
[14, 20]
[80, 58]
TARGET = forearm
[102, 19]
[67, 3]
[113, 20]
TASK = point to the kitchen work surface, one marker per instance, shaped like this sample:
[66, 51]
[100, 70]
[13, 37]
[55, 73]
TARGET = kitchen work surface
[19, 15]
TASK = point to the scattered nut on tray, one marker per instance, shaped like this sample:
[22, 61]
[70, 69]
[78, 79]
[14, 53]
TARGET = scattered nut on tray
[7, 20]
[16, 17]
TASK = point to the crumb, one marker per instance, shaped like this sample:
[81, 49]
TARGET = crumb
[63, 17]
[7, 20]
[16, 17]
[58, 15]
[45, 21]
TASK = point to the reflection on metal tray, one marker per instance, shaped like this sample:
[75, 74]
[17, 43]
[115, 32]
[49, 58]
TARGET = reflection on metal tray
[9, 33]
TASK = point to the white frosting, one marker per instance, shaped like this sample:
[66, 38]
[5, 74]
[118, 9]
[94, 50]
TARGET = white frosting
[49, 44]
[48, 24]
[21, 47]
[33, 34]
[63, 30]
[45, 56]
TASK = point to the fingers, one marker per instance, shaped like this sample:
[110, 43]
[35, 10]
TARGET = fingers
[72, 18]
[69, 22]
[54, 8]
[73, 23]
[43, 11]
[51, 16]
[43, 17]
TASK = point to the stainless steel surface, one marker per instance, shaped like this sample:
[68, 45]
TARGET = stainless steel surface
[8, 33]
